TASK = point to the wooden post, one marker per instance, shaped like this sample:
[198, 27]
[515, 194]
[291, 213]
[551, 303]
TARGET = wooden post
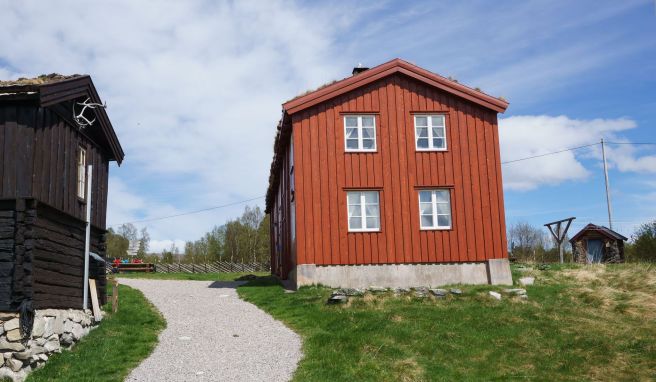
[114, 296]
[559, 234]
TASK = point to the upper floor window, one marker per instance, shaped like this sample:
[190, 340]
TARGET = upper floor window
[435, 209]
[363, 211]
[430, 132]
[81, 172]
[360, 132]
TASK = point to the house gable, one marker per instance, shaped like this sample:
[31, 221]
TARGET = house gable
[387, 69]
[58, 92]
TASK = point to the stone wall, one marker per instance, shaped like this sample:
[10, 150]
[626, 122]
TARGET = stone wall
[52, 331]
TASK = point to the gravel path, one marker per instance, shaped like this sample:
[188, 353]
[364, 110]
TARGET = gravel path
[213, 335]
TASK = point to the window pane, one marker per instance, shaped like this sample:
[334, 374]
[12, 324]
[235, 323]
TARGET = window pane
[443, 220]
[443, 208]
[371, 197]
[442, 195]
[438, 143]
[422, 132]
[437, 120]
[438, 132]
[351, 121]
[355, 223]
[352, 144]
[354, 211]
[425, 196]
[426, 221]
[371, 210]
[368, 132]
[422, 143]
[426, 208]
[368, 144]
[373, 223]
[351, 132]
[367, 121]
[421, 121]
[353, 198]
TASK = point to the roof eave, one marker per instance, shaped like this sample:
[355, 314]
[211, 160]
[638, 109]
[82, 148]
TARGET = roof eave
[387, 69]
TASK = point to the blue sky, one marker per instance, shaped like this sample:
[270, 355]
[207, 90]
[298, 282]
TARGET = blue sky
[194, 91]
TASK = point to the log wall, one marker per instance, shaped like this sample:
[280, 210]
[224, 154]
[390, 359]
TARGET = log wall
[42, 256]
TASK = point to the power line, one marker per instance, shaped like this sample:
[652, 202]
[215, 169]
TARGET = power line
[190, 212]
[551, 153]
[631, 143]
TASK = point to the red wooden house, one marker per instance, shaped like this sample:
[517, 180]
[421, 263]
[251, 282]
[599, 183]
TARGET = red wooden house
[390, 177]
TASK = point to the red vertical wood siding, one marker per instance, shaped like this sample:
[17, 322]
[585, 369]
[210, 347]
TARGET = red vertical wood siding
[470, 168]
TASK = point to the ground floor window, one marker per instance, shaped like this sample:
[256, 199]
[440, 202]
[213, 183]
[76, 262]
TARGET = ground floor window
[363, 211]
[435, 209]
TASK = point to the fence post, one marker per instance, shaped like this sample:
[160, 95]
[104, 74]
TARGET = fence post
[114, 296]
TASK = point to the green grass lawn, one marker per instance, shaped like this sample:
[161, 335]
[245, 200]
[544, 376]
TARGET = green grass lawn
[579, 323]
[110, 351]
[222, 276]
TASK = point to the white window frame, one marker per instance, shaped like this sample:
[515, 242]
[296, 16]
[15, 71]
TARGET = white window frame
[434, 214]
[359, 130]
[363, 210]
[81, 172]
[429, 123]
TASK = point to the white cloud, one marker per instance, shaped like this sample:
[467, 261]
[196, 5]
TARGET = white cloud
[525, 136]
[193, 88]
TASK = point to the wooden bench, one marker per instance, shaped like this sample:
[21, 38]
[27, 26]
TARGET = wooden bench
[132, 267]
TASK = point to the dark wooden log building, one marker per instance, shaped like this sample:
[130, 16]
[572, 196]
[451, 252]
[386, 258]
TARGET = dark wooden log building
[43, 159]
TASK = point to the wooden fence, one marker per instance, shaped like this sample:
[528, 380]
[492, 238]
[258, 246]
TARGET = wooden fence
[215, 267]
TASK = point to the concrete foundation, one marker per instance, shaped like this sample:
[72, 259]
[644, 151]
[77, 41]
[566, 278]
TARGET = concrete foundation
[403, 275]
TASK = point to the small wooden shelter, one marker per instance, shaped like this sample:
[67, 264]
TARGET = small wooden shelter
[598, 244]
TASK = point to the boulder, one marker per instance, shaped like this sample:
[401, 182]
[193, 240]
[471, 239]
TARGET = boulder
[14, 364]
[52, 345]
[68, 326]
[526, 281]
[24, 355]
[377, 289]
[6, 316]
[14, 335]
[39, 327]
[400, 291]
[6, 355]
[48, 327]
[11, 324]
[78, 331]
[13, 346]
[49, 312]
[43, 357]
[67, 339]
[455, 291]
[495, 295]
[421, 292]
[58, 325]
[350, 291]
[337, 299]
[41, 341]
[439, 293]
[515, 291]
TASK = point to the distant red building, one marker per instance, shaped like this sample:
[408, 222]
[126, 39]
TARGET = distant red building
[389, 177]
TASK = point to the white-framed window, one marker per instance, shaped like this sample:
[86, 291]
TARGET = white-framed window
[360, 133]
[435, 209]
[430, 132]
[81, 172]
[363, 211]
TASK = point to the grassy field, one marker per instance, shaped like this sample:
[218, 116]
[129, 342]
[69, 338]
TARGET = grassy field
[190, 276]
[110, 351]
[579, 323]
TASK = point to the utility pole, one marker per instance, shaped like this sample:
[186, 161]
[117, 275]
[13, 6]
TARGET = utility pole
[610, 209]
